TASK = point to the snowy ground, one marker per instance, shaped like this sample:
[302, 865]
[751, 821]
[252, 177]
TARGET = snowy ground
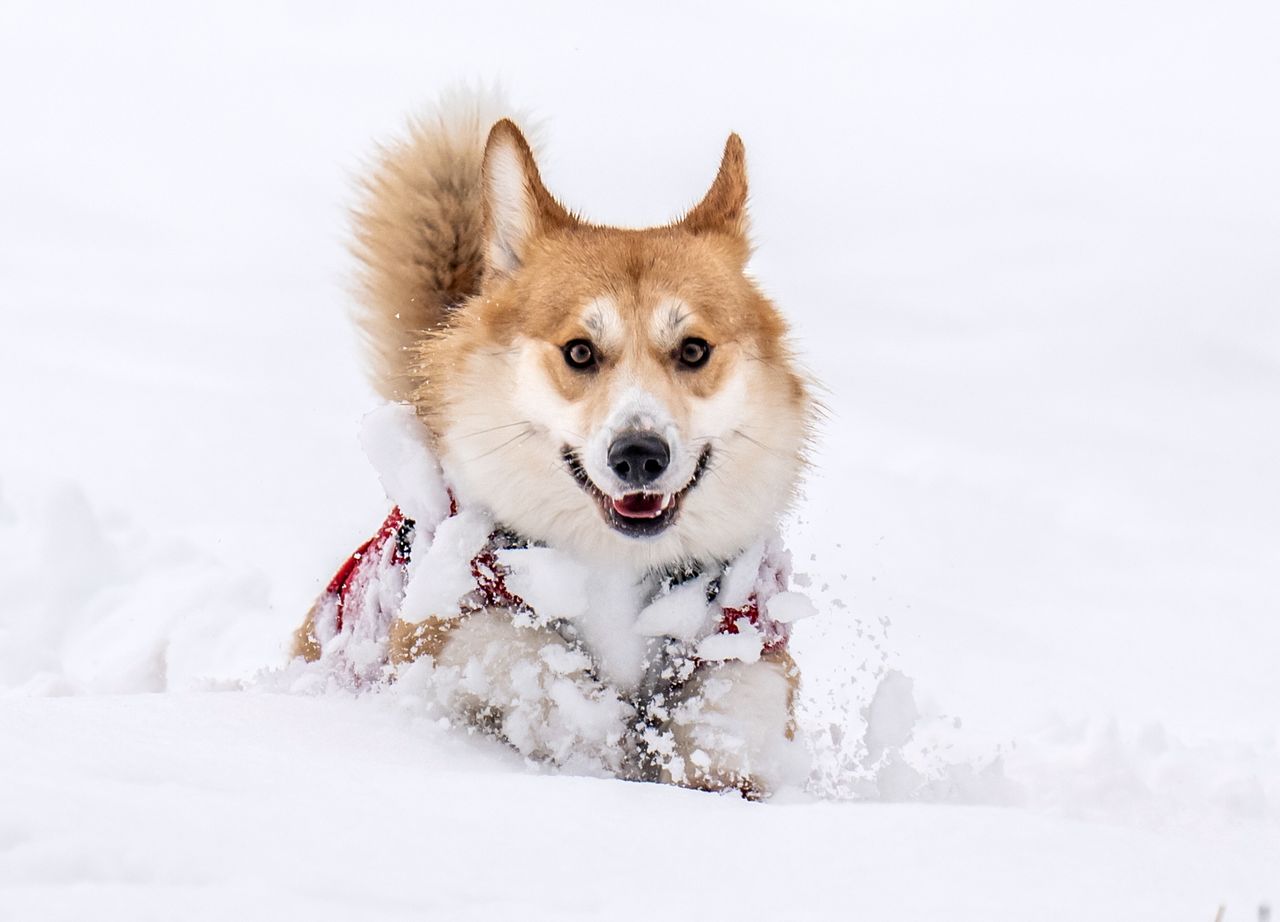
[1031, 249]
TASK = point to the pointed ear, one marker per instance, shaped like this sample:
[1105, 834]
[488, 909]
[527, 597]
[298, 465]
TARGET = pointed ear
[723, 210]
[517, 207]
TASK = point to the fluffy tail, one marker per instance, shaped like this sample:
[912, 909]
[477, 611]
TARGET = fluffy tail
[419, 233]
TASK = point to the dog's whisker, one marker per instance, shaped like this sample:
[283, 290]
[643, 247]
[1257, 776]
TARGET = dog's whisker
[522, 422]
[711, 469]
[523, 436]
[760, 444]
[756, 357]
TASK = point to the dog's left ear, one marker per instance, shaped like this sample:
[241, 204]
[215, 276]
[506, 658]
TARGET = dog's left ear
[723, 210]
[517, 206]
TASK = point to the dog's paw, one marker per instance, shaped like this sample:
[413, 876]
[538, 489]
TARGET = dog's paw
[732, 728]
[530, 687]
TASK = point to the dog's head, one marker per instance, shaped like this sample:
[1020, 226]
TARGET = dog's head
[623, 394]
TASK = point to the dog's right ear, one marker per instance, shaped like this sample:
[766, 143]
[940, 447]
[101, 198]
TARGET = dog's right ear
[517, 207]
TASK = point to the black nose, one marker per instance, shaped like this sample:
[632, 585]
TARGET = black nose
[639, 458]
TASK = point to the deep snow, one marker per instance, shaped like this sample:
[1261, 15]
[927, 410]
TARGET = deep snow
[331, 808]
[1029, 249]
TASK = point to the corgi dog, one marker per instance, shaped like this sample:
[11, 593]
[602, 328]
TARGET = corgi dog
[624, 397]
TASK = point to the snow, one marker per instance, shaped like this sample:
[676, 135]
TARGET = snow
[891, 714]
[680, 613]
[551, 708]
[396, 444]
[438, 578]
[620, 650]
[1029, 250]
[740, 577]
[271, 812]
[745, 644]
[788, 607]
[552, 583]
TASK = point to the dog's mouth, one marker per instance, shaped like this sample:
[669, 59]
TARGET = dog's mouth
[640, 514]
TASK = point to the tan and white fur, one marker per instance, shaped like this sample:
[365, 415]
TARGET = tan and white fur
[478, 289]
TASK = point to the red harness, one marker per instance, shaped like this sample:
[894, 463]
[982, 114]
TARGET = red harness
[490, 579]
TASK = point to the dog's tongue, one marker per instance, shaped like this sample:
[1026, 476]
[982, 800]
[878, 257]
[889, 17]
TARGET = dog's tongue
[639, 505]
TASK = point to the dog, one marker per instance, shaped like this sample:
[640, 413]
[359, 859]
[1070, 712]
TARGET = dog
[625, 398]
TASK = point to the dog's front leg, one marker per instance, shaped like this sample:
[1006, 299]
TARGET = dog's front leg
[733, 726]
[525, 684]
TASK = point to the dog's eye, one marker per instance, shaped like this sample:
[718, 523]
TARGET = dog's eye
[579, 354]
[694, 352]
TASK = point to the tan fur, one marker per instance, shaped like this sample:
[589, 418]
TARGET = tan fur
[419, 236]
[408, 641]
[698, 259]
[473, 280]
[304, 642]
[791, 671]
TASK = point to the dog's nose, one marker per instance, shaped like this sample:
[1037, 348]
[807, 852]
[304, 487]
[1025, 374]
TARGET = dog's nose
[639, 458]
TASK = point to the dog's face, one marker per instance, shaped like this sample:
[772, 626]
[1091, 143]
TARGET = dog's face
[616, 393]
